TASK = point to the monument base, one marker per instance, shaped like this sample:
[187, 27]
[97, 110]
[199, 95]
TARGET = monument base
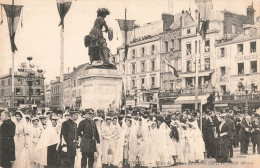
[100, 87]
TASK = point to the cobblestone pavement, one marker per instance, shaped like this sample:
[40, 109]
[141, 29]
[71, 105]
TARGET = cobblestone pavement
[241, 161]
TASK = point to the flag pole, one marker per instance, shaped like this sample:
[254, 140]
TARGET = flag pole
[197, 66]
[13, 52]
[61, 64]
[125, 60]
[125, 35]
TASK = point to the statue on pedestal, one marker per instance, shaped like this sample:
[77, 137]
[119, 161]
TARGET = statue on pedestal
[98, 50]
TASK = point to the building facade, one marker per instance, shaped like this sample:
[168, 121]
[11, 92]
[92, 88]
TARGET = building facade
[21, 91]
[142, 66]
[237, 70]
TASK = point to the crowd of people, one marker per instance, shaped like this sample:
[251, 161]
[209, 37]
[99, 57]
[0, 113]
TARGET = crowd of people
[138, 139]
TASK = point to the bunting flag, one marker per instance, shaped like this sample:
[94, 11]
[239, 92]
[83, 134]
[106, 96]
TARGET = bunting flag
[126, 27]
[205, 8]
[63, 8]
[13, 16]
[174, 70]
[123, 99]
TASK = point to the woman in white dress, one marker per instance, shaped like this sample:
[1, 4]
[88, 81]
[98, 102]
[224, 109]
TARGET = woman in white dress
[35, 134]
[21, 136]
[126, 151]
[108, 149]
[154, 158]
[165, 144]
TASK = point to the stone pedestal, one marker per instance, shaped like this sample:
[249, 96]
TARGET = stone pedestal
[100, 87]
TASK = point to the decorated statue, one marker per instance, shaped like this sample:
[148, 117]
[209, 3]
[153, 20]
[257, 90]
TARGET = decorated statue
[98, 50]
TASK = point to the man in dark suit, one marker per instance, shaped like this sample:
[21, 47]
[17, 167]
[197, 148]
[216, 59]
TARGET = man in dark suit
[7, 146]
[69, 133]
[208, 134]
[88, 132]
[231, 122]
[244, 134]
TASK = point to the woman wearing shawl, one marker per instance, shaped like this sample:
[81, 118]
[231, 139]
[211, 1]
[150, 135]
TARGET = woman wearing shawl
[35, 135]
[154, 158]
[196, 139]
[143, 139]
[98, 160]
[175, 127]
[108, 134]
[21, 136]
[165, 143]
[47, 143]
[126, 151]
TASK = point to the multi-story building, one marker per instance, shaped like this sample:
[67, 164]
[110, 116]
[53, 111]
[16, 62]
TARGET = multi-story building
[171, 52]
[142, 66]
[223, 24]
[55, 94]
[21, 90]
[76, 86]
[72, 90]
[47, 95]
[237, 70]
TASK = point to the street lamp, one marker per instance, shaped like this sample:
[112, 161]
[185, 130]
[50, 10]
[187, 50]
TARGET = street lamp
[30, 75]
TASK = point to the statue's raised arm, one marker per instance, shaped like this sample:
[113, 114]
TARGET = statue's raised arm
[98, 51]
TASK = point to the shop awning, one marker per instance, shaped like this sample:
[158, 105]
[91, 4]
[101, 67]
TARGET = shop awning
[191, 99]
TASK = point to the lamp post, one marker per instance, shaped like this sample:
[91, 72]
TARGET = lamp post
[30, 75]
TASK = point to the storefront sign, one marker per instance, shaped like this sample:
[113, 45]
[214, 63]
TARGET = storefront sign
[246, 58]
[221, 105]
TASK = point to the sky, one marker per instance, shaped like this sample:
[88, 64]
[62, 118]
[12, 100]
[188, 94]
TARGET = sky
[40, 35]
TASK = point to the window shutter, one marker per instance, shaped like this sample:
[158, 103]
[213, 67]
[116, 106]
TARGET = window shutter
[21, 91]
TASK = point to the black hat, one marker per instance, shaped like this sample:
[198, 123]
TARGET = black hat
[89, 111]
[18, 113]
[59, 112]
[160, 118]
[48, 112]
[73, 112]
[42, 117]
[54, 118]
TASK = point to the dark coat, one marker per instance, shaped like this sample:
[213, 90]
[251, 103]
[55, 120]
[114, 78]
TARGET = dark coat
[243, 134]
[231, 122]
[255, 132]
[7, 146]
[223, 142]
[69, 133]
[88, 132]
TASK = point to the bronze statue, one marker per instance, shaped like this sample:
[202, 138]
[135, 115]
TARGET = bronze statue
[98, 50]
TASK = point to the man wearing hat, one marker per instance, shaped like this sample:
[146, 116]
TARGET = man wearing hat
[69, 133]
[7, 145]
[88, 132]
[244, 134]
[208, 134]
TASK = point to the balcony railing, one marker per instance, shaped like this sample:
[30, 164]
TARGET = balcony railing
[189, 91]
[233, 97]
[168, 93]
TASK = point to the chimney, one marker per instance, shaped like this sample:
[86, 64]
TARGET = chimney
[182, 18]
[10, 71]
[57, 78]
[168, 20]
[74, 68]
[250, 14]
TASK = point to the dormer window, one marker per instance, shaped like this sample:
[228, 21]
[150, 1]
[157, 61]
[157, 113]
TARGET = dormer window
[240, 49]
[188, 31]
